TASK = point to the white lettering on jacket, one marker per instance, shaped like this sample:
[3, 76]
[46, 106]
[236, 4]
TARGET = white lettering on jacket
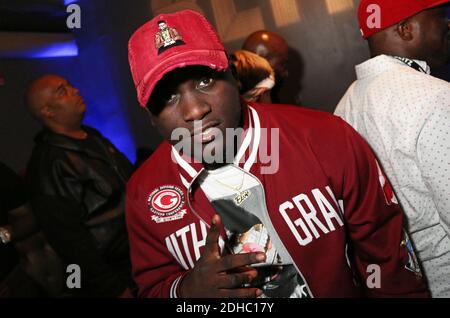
[303, 219]
[182, 252]
[299, 213]
[185, 243]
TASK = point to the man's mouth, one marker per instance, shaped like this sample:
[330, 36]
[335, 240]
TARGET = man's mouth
[205, 133]
[81, 101]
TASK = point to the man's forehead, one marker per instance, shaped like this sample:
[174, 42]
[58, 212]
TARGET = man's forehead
[43, 88]
[51, 82]
[189, 72]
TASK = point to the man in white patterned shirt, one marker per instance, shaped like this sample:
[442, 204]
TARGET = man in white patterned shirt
[404, 114]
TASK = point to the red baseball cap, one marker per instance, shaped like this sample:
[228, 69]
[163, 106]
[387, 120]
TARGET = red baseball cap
[376, 15]
[171, 41]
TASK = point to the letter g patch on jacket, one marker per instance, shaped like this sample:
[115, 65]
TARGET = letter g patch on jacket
[166, 203]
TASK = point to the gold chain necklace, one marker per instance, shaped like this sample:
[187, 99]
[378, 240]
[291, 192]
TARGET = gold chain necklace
[241, 196]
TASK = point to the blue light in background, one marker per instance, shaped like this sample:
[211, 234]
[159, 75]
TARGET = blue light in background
[103, 93]
[64, 49]
[114, 127]
[67, 2]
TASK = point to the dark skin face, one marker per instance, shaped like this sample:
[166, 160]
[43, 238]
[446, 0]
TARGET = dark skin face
[424, 36]
[196, 93]
[66, 100]
[54, 101]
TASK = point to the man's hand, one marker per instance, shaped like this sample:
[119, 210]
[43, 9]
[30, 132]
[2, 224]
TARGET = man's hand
[217, 276]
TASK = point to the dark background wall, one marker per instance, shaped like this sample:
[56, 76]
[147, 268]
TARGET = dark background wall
[323, 35]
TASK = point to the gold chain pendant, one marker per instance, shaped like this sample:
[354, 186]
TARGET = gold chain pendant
[242, 196]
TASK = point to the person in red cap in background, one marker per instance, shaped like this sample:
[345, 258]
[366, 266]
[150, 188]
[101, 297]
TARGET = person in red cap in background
[209, 216]
[404, 114]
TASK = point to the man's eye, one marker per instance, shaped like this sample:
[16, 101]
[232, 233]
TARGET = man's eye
[205, 82]
[62, 92]
[171, 99]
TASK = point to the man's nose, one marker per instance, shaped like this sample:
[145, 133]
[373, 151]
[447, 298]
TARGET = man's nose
[194, 107]
[75, 90]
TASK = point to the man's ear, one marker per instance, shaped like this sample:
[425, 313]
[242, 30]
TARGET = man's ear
[46, 112]
[150, 115]
[405, 29]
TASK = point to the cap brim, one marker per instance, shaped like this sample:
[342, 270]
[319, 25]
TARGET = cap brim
[438, 3]
[214, 59]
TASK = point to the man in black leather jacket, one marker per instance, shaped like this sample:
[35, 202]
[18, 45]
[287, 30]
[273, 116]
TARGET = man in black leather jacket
[77, 182]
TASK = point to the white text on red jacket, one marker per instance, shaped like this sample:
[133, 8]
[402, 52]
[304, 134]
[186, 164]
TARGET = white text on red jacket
[304, 220]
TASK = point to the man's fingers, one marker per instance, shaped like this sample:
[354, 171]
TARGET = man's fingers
[233, 261]
[241, 293]
[244, 269]
[212, 239]
[236, 280]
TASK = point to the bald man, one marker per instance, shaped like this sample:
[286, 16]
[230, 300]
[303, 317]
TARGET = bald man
[57, 105]
[77, 182]
[274, 49]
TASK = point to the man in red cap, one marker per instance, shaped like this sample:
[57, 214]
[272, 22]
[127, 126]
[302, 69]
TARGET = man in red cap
[210, 214]
[404, 114]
